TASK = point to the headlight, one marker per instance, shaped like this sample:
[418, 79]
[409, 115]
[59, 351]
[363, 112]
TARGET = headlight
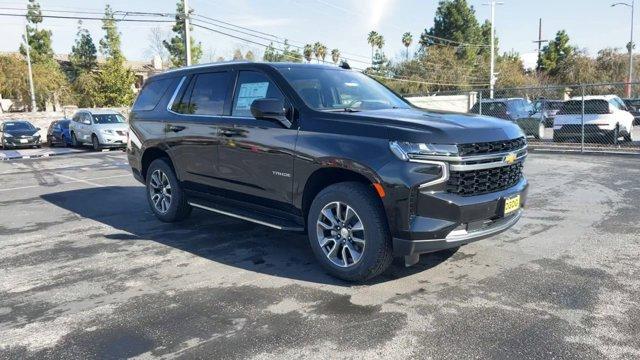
[406, 151]
[108, 131]
[7, 135]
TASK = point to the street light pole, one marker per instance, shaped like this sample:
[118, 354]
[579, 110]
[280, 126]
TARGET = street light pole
[31, 87]
[187, 35]
[492, 66]
[630, 79]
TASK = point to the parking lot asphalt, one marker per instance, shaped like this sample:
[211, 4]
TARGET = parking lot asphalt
[88, 272]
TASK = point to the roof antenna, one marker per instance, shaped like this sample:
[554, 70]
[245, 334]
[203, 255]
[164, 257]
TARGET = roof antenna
[345, 65]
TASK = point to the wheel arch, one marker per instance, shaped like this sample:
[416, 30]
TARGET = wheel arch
[151, 154]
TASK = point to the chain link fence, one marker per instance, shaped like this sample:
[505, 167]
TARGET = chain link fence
[589, 117]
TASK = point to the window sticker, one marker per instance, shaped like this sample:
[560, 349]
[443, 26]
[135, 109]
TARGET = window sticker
[250, 92]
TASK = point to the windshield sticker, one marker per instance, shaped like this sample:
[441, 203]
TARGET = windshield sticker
[250, 92]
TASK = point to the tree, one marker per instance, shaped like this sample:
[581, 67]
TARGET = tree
[372, 40]
[156, 46]
[114, 80]
[335, 56]
[249, 56]
[455, 23]
[320, 51]
[83, 55]
[308, 52]
[175, 45]
[40, 48]
[271, 54]
[237, 55]
[553, 54]
[407, 39]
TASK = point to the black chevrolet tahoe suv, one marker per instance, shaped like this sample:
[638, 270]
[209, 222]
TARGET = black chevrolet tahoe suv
[328, 151]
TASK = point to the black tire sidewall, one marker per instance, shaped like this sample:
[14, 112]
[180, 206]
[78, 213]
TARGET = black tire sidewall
[95, 143]
[176, 210]
[377, 251]
[74, 140]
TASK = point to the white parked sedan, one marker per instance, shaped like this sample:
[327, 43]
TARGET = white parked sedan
[606, 119]
[99, 128]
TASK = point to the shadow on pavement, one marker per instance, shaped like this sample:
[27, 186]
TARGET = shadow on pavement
[215, 237]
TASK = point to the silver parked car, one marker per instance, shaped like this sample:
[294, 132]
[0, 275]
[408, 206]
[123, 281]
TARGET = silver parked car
[99, 128]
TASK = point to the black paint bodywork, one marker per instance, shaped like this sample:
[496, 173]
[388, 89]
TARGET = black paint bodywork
[266, 169]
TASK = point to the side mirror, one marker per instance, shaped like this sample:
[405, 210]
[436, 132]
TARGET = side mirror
[270, 109]
[86, 122]
[38, 129]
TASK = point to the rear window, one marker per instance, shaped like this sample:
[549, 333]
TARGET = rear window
[490, 108]
[574, 107]
[151, 94]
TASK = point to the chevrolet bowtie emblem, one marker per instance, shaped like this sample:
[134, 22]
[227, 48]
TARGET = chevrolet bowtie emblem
[511, 158]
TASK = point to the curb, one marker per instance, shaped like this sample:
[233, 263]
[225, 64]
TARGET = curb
[585, 152]
[46, 155]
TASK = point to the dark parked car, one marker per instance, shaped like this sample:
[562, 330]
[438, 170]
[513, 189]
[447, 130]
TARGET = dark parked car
[14, 134]
[546, 109]
[328, 151]
[58, 133]
[633, 105]
[518, 110]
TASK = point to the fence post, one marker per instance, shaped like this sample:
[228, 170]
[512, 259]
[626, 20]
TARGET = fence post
[582, 120]
[480, 102]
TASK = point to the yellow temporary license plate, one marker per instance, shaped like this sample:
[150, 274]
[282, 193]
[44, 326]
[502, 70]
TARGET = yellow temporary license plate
[511, 204]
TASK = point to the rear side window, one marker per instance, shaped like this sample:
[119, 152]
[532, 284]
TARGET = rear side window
[151, 94]
[251, 86]
[206, 95]
[574, 107]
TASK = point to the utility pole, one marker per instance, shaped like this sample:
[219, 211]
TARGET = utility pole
[187, 35]
[31, 87]
[628, 89]
[540, 41]
[492, 70]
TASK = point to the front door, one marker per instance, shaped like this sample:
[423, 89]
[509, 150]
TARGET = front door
[256, 156]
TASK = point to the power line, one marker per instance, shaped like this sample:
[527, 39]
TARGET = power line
[92, 18]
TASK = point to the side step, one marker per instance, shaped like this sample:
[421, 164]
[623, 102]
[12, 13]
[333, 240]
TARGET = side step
[258, 218]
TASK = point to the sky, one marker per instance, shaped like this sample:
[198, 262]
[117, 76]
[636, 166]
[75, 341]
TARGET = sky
[342, 24]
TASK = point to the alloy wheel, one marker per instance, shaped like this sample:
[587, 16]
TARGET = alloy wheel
[160, 191]
[341, 234]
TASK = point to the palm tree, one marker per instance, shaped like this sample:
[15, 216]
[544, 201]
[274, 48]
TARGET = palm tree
[335, 55]
[372, 39]
[322, 51]
[307, 52]
[407, 39]
[380, 42]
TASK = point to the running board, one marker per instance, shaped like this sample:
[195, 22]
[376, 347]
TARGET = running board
[264, 220]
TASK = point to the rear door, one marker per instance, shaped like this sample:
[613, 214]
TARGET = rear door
[192, 129]
[256, 156]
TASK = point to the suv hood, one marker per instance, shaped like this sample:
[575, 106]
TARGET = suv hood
[417, 125]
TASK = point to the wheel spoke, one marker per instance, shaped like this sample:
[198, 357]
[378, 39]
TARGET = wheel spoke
[355, 254]
[357, 240]
[357, 226]
[155, 198]
[332, 252]
[349, 213]
[344, 256]
[326, 240]
[329, 215]
[325, 225]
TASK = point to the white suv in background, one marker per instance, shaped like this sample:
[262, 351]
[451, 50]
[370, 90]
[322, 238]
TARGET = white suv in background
[606, 119]
[99, 128]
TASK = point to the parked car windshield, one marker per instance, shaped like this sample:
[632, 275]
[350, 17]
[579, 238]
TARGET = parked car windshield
[335, 89]
[108, 119]
[17, 126]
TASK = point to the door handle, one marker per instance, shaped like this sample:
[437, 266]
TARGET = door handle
[227, 133]
[176, 128]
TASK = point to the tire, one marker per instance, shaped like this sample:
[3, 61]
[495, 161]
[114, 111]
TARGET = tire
[630, 136]
[74, 140]
[49, 141]
[374, 239]
[95, 143]
[614, 136]
[178, 208]
[541, 129]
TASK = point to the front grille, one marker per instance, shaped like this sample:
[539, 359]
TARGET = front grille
[491, 147]
[477, 182]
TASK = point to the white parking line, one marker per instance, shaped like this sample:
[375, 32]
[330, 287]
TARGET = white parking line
[73, 180]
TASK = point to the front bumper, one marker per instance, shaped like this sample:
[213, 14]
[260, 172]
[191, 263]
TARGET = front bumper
[14, 142]
[113, 141]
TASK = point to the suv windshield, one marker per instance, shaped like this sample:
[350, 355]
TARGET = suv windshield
[108, 119]
[335, 89]
[17, 126]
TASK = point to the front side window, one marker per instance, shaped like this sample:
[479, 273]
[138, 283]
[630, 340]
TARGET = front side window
[340, 90]
[251, 86]
[108, 119]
